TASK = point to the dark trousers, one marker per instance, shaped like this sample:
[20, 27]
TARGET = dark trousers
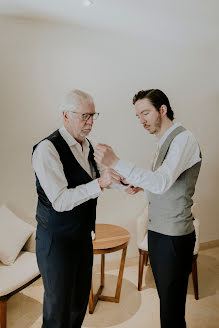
[66, 269]
[171, 263]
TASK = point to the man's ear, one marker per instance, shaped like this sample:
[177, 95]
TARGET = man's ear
[163, 110]
[65, 115]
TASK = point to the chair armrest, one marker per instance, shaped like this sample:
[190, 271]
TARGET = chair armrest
[30, 245]
[142, 226]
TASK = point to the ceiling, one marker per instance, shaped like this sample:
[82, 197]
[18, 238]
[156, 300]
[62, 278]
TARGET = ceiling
[187, 21]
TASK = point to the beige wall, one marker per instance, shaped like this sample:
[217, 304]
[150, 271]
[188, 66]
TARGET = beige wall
[40, 61]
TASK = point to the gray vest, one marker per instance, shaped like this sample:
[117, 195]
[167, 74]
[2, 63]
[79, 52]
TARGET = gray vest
[170, 213]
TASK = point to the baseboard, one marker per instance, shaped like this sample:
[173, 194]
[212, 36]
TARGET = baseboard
[209, 244]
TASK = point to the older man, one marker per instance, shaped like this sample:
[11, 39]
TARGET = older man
[170, 185]
[68, 184]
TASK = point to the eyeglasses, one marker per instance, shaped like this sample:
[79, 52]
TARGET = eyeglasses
[86, 116]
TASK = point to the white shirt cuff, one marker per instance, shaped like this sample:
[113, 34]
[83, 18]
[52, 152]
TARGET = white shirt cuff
[93, 188]
[124, 168]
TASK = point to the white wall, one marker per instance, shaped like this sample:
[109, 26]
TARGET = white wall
[41, 60]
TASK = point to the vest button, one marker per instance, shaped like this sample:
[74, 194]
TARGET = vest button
[149, 203]
[149, 220]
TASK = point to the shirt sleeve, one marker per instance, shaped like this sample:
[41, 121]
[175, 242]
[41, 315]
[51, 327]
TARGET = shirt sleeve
[101, 168]
[183, 153]
[49, 170]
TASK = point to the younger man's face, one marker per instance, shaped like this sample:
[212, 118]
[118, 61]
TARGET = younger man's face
[148, 115]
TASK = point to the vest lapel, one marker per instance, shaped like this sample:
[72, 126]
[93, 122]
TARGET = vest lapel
[165, 147]
[66, 149]
[92, 162]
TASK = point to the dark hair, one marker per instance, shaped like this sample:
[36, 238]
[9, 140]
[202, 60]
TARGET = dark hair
[157, 98]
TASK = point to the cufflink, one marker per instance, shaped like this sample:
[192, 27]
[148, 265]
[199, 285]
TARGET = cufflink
[92, 235]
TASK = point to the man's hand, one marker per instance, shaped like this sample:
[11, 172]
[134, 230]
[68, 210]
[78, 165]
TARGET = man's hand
[109, 176]
[105, 155]
[131, 190]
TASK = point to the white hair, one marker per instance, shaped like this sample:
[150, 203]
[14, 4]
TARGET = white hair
[73, 99]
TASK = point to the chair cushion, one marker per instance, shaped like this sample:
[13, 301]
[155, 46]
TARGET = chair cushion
[30, 245]
[143, 244]
[13, 235]
[197, 235]
[19, 273]
[142, 229]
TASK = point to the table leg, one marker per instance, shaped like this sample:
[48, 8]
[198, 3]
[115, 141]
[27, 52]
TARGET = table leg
[102, 269]
[116, 298]
[93, 299]
[121, 270]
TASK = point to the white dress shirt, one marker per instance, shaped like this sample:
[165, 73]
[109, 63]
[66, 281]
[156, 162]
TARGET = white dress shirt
[49, 170]
[183, 153]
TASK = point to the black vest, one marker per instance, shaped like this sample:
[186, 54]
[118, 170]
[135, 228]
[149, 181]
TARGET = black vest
[80, 221]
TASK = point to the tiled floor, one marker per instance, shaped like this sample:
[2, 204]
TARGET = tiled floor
[136, 309]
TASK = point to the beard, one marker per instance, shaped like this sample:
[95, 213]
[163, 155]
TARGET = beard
[155, 127]
[84, 133]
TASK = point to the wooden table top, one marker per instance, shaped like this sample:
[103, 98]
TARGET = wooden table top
[109, 236]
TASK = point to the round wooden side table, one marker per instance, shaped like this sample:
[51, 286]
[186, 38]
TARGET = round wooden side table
[109, 238]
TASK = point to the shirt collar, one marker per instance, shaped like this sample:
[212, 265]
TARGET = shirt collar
[163, 138]
[70, 140]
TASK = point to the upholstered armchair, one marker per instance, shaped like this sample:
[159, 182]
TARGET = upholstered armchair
[18, 265]
[142, 243]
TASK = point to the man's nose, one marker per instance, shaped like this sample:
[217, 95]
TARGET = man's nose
[90, 120]
[142, 119]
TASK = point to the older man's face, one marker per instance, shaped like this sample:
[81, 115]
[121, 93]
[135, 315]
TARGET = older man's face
[76, 124]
